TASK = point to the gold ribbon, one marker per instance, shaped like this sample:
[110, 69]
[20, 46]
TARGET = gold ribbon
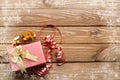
[18, 54]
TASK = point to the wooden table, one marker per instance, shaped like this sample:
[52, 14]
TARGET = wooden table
[88, 27]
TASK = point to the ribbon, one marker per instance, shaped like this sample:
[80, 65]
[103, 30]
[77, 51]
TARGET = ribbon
[18, 54]
[51, 45]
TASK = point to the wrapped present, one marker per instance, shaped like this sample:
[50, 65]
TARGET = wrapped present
[26, 56]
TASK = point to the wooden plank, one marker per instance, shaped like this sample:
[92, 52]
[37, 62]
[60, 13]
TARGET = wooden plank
[79, 52]
[36, 17]
[81, 4]
[71, 71]
[83, 13]
[47, 16]
[70, 34]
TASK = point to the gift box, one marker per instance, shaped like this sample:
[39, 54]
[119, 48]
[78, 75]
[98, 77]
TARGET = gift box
[34, 49]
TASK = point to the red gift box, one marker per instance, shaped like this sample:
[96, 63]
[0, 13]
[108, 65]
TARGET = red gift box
[34, 49]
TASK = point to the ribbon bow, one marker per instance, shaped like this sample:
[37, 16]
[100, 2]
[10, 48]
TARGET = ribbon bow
[18, 54]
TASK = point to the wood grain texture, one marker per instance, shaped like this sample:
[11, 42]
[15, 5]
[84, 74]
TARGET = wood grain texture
[78, 52]
[47, 16]
[70, 34]
[86, 71]
[22, 17]
[72, 4]
[59, 12]
[88, 28]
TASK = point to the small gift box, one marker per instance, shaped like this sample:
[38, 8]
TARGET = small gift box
[26, 56]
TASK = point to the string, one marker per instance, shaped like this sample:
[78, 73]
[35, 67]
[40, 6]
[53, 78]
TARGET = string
[54, 28]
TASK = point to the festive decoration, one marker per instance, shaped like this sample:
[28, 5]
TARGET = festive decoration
[48, 42]
[26, 37]
[28, 59]
[18, 54]
[51, 46]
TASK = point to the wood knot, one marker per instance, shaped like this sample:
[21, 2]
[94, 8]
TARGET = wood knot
[109, 53]
[54, 3]
[48, 2]
[95, 33]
